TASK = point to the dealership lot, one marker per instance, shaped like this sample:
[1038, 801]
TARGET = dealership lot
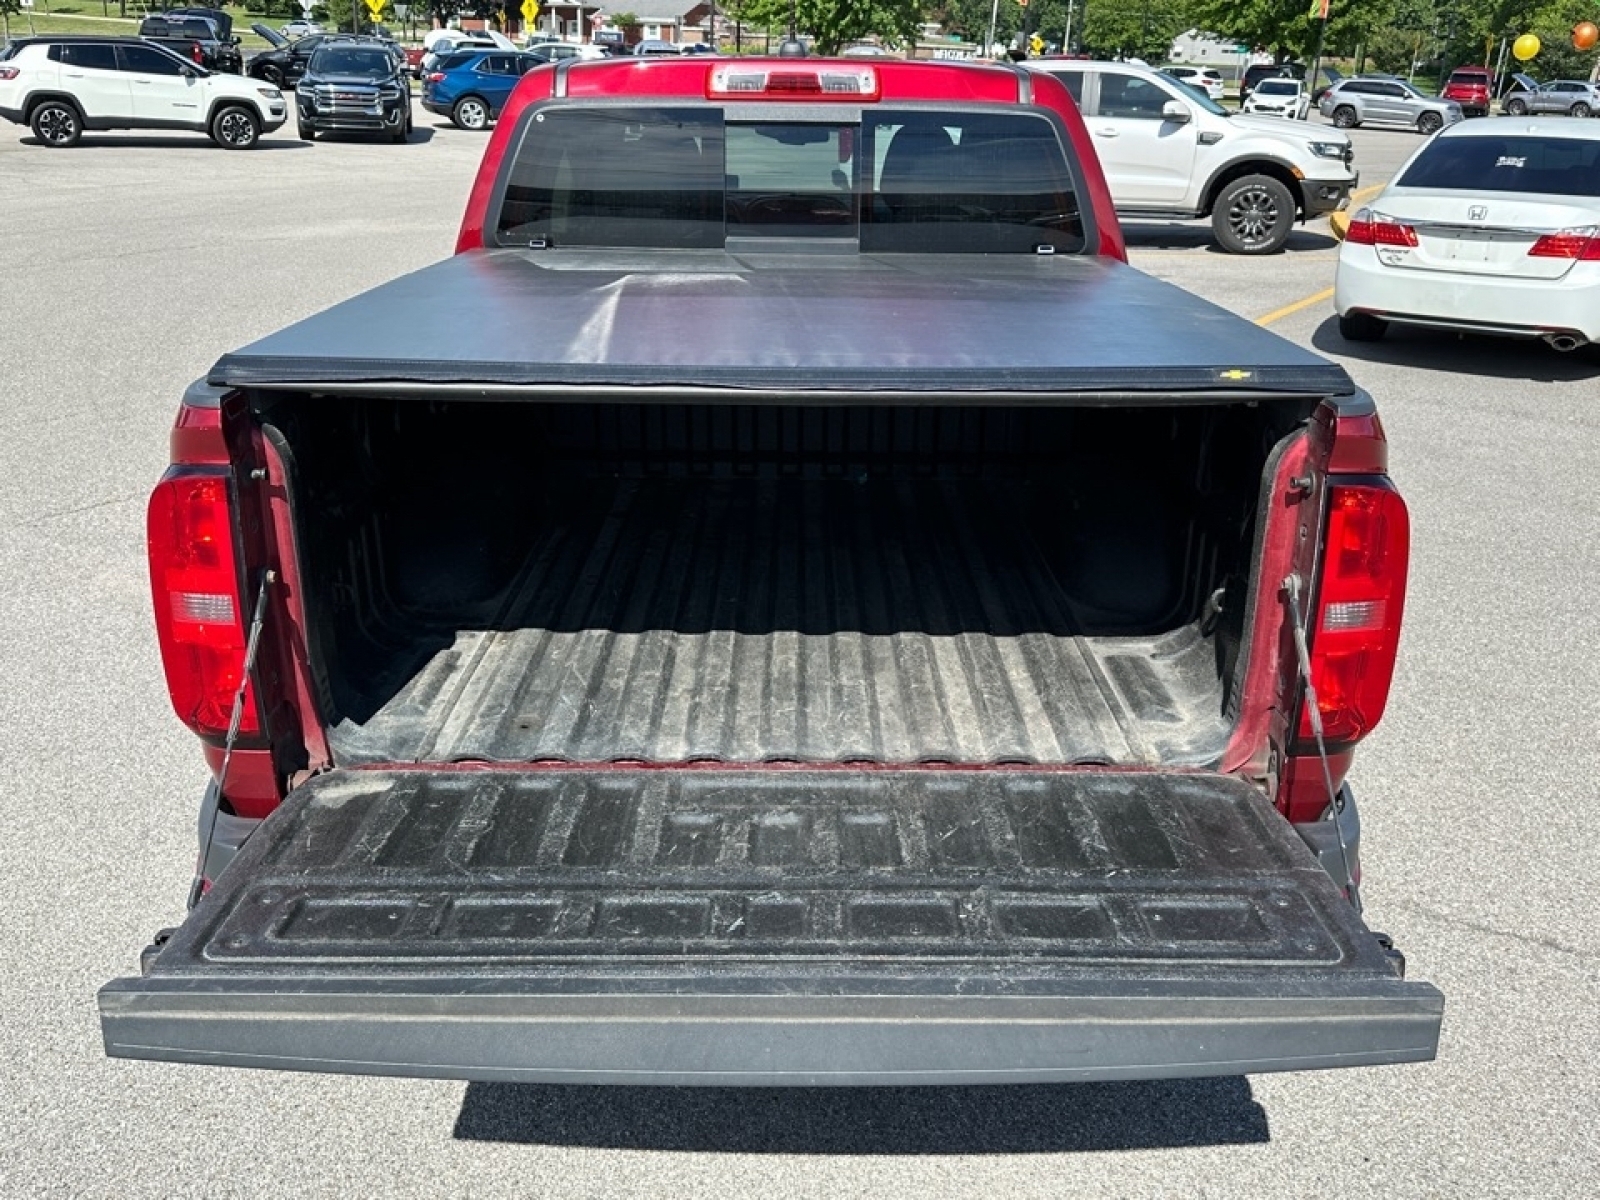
[132, 262]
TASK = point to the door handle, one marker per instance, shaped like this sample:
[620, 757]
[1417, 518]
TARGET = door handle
[1107, 132]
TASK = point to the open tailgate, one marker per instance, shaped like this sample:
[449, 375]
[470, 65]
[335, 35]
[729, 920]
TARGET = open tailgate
[774, 926]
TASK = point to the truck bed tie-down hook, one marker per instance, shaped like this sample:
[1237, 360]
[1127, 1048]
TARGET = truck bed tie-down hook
[251, 645]
[1291, 589]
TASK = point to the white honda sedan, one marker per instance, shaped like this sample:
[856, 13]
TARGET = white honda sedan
[1492, 227]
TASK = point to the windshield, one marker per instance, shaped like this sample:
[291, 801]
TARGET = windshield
[1544, 165]
[1277, 87]
[946, 182]
[352, 60]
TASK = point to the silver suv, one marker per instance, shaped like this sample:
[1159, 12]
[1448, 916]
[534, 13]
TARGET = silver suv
[1364, 101]
[1575, 97]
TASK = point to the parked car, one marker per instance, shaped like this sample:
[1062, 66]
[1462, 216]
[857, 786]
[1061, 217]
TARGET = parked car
[62, 85]
[1170, 151]
[199, 38]
[286, 61]
[651, 46]
[1571, 97]
[555, 51]
[1208, 79]
[1366, 101]
[451, 40]
[471, 87]
[1256, 72]
[1492, 227]
[1279, 98]
[299, 29]
[354, 83]
[1471, 88]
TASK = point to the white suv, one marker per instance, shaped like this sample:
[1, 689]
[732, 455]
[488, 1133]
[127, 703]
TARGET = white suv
[1168, 151]
[61, 86]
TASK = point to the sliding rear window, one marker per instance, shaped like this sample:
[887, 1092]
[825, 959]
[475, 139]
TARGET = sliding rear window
[890, 180]
[1544, 165]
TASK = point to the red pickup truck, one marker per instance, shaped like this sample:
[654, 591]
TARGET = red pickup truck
[832, 622]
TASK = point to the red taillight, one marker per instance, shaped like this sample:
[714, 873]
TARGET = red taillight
[436, 77]
[197, 53]
[1368, 228]
[9, 72]
[1361, 598]
[822, 81]
[1582, 245]
[194, 579]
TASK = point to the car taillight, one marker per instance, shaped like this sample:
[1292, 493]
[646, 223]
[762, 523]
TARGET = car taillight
[194, 579]
[1582, 245]
[1369, 228]
[822, 81]
[9, 72]
[1361, 598]
[197, 53]
[436, 77]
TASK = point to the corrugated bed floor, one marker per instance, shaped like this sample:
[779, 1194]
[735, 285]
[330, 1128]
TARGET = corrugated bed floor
[748, 621]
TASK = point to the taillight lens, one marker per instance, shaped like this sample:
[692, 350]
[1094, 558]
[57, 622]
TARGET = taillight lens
[1361, 598]
[1369, 228]
[196, 53]
[436, 77]
[194, 578]
[9, 72]
[1582, 245]
[820, 81]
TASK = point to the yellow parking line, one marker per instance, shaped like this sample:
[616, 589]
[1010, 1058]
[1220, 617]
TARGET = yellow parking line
[1366, 193]
[1287, 310]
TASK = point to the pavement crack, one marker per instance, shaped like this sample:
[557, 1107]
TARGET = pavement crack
[1522, 939]
[45, 518]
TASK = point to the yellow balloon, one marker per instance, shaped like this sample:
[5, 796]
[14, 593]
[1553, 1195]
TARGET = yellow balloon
[1525, 47]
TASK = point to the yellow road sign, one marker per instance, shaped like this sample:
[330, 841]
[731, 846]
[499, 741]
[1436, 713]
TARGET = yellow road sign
[376, 7]
[530, 10]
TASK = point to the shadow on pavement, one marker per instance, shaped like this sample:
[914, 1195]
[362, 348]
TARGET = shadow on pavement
[1198, 237]
[1462, 354]
[198, 141]
[1042, 1119]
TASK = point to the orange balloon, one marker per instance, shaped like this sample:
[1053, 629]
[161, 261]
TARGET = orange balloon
[1585, 35]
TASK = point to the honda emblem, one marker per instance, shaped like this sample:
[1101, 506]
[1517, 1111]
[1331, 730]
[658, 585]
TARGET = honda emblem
[1477, 212]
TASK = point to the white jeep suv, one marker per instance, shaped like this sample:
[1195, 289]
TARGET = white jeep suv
[1169, 151]
[62, 86]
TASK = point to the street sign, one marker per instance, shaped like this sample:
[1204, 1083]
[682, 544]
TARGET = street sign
[376, 7]
[530, 10]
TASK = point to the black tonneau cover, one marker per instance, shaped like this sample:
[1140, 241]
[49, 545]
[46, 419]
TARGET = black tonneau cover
[1008, 327]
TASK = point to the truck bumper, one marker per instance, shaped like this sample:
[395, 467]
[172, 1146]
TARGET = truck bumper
[774, 928]
[1326, 195]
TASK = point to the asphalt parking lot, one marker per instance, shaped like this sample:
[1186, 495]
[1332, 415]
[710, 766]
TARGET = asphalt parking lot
[129, 264]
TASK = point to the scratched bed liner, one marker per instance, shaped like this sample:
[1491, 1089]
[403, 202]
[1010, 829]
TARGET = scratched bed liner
[672, 622]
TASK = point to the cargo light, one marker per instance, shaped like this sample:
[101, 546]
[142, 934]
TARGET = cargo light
[1361, 596]
[1581, 245]
[1369, 228]
[823, 81]
[195, 580]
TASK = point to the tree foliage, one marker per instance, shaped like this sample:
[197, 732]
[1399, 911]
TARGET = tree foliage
[835, 24]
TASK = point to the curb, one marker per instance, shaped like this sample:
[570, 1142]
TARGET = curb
[1339, 222]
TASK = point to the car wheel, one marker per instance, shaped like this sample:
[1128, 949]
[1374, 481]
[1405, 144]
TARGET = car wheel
[470, 113]
[1580, 109]
[1344, 117]
[1362, 327]
[235, 128]
[1429, 123]
[1253, 215]
[56, 124]
[273, 75]
[1517, 108]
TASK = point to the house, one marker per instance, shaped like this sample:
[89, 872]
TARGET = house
[676, 21]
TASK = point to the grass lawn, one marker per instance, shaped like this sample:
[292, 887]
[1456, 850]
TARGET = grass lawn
[81, 16]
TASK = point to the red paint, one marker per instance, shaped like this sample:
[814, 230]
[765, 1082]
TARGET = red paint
[253, 788]
[196, 438]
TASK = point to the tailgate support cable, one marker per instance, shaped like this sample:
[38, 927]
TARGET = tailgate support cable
[252, 644]
[1291, 586]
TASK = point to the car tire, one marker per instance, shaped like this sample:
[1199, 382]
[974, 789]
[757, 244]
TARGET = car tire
[1580, 109]
[1344, 117]
[1253, 215]
[1429, 123]
[235, 128]
[1517, 108]
[1362, 327]
[471, 113]
[57, 124]
[272, 75]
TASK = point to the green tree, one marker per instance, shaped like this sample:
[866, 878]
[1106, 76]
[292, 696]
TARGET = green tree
[1285, 28]
[834, 24]
[1135, 28]
[9, 9]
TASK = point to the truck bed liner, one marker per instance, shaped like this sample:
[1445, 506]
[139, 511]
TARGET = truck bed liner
[716, 925]
[666, 621]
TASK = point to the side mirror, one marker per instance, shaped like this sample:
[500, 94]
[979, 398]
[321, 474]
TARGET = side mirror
[1176, 112]
[187, 72]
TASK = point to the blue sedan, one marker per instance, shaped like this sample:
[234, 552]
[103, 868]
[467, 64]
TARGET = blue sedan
[472, 86]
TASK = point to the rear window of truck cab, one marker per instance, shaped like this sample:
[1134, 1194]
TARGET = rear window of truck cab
[910, 180]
